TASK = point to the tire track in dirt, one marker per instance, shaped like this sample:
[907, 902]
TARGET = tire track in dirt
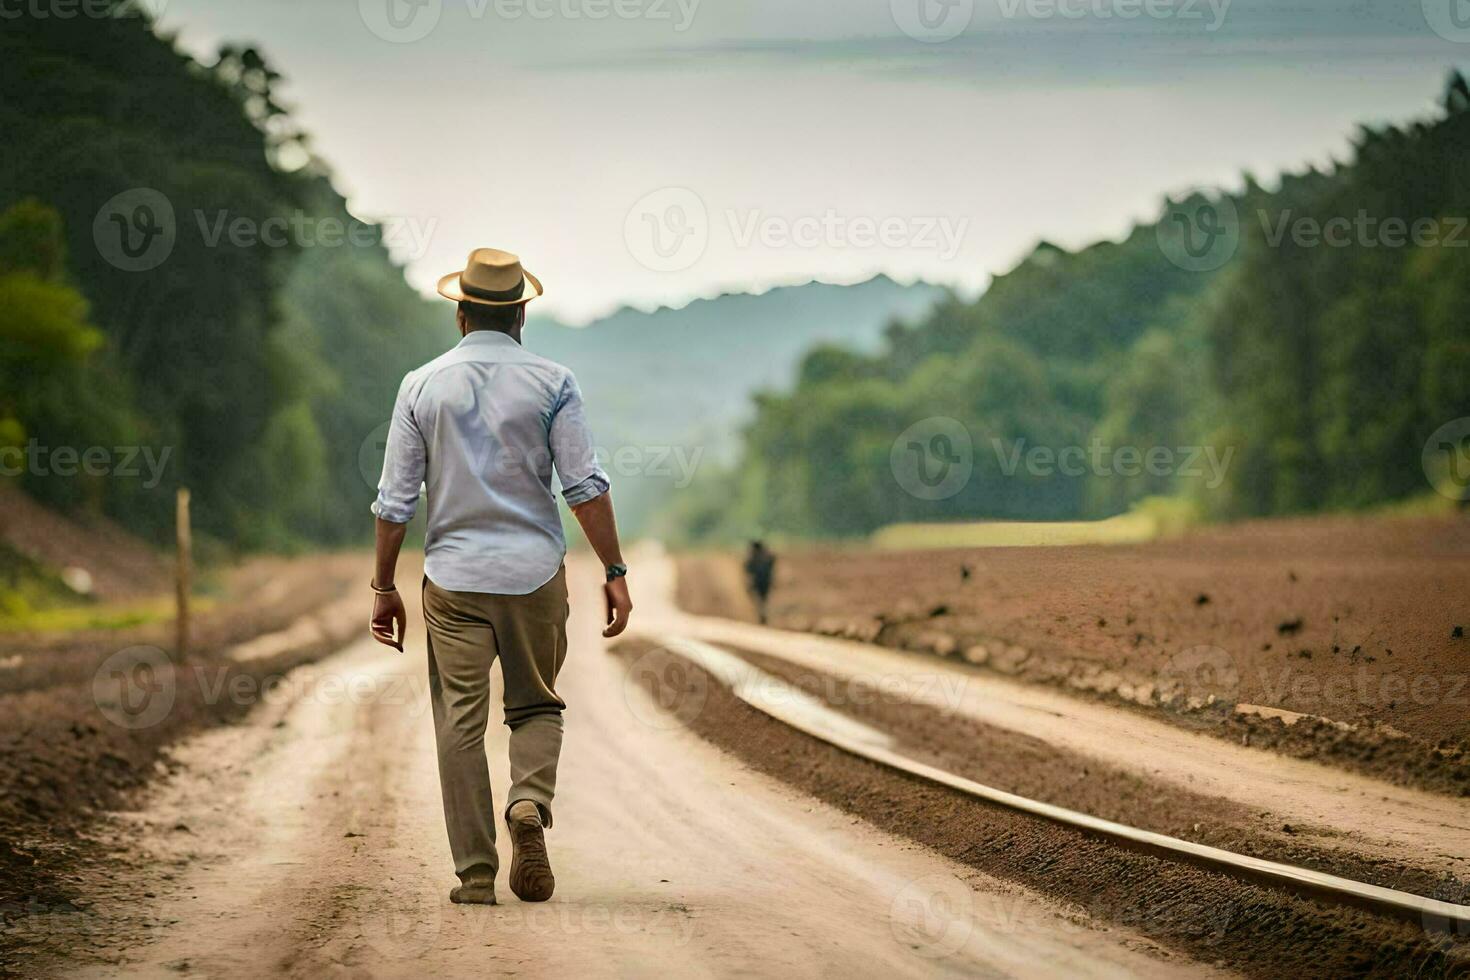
[1198, 912]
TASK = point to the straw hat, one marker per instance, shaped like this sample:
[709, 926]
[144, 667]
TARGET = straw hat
[492, 278]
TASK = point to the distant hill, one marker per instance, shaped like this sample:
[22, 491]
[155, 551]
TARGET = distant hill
[672, 388]
[686, 375]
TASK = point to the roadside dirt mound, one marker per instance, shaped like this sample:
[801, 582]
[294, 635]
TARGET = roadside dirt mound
[1259, 929]
[69, 751]
[1340, 638]
[120, 565]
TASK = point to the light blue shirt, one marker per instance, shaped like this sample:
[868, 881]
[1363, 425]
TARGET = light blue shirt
[481, 427]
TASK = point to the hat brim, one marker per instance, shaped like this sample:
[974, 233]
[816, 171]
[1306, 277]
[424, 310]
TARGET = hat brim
[451, 288]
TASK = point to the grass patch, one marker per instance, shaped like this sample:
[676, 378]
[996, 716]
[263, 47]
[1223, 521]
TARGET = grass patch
[1149, 520]
[34, 599]
[96, 616]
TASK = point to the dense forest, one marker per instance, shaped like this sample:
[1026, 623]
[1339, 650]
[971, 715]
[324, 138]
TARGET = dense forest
[260, 367]
[1301, 372]
[1301, 368]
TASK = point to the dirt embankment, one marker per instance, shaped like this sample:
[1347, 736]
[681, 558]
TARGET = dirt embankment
[119, 565]
[87, 717]
[1342, 639]
[1195, 911]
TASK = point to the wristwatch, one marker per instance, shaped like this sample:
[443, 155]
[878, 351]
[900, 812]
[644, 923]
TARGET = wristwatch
[616, 571]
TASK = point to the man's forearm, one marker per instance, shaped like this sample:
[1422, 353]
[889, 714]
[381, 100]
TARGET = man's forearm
[601, 528]
[389, 544]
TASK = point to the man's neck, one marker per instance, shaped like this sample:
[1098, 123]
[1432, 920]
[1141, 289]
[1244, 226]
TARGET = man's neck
[514, 334]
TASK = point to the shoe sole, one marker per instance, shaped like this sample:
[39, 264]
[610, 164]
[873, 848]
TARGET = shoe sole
[473, 895]
[530, 869]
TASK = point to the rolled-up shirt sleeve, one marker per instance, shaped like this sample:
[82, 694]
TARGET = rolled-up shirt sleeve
[403, 462]
[572, 452]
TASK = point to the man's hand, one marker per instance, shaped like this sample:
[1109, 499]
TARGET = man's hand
[601, 529]
[388, 611]
[619, 605]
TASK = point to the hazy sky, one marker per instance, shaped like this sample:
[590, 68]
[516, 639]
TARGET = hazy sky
[652, 151]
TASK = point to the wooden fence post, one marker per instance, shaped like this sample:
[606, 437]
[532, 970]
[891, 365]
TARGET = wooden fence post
[184, 576]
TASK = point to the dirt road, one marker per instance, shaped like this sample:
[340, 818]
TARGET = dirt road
[309, 842]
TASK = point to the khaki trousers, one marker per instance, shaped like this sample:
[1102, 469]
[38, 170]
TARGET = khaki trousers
[467, 632]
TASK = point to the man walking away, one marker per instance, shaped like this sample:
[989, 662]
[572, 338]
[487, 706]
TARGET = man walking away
[481, 428]
[760, 572]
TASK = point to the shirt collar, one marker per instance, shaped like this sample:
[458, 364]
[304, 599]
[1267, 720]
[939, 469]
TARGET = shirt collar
[488, 338]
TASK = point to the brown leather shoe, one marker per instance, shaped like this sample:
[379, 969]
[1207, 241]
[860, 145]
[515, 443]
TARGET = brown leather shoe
[476, 889]
[530, 869]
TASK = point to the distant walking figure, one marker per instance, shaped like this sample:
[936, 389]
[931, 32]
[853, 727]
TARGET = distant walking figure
[760, 572]
[481, 428]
